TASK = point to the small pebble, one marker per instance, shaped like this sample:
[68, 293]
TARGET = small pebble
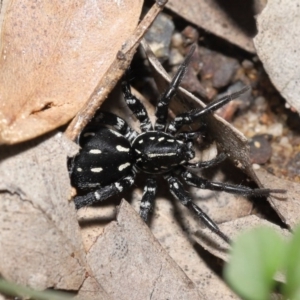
[260, 149]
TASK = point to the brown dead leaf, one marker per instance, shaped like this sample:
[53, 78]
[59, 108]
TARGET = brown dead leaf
[52, 56]
[40, 240]
[130, 264]
[231, 20]
[287, 206]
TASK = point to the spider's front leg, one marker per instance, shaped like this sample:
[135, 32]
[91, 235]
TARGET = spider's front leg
[196, 181]
[137, 107]
[148, 198]
[196, 114]
[163, 102]
[178, 191]
[105, 192]
[188, 138]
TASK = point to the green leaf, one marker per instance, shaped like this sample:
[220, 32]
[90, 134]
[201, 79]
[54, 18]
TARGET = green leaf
[255, 258]
[13, 289]
[292, 287]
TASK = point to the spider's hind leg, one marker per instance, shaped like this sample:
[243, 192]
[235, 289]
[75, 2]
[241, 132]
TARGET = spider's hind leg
[105, 192]
[179, 193]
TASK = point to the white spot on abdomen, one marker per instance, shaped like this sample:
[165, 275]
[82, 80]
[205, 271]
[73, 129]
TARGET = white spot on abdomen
[96, 170]
[95, 151]
[122, 149]
[79, 169]
[123, 166]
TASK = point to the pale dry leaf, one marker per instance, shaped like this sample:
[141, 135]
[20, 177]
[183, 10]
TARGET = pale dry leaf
[52, 56]
[130, 264]
[277, 44]
[92, 290]
[287, 205]
[174, 227]
[230, 20]
[234, 228]
[40, 245]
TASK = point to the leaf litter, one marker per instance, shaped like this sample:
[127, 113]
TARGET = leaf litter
[116, 239]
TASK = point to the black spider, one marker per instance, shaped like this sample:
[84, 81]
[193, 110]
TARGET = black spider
[110, 158]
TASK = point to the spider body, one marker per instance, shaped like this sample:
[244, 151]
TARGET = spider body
[112, 154]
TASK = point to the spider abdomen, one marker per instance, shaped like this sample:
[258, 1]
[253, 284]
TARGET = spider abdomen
[158, 152]
[105, 157]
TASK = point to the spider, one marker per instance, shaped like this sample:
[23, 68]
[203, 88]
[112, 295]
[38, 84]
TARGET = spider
[110, 157]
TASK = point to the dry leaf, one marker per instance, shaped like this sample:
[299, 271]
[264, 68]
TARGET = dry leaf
[40, 240]
[287, 206]
[130, 264]
[92, 290]
[277, 45]
[231, 20]
[52, 56]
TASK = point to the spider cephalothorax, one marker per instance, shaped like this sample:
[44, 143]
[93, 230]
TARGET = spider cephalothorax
[159, 152]
[110, 158]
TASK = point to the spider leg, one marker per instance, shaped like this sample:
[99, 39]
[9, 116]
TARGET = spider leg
[179, 193]
[148, 198]
[105, 192]
[107, 118]
[209, 163]
[196, 114]
[136, 107]
[194, 180]
[163, 102]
